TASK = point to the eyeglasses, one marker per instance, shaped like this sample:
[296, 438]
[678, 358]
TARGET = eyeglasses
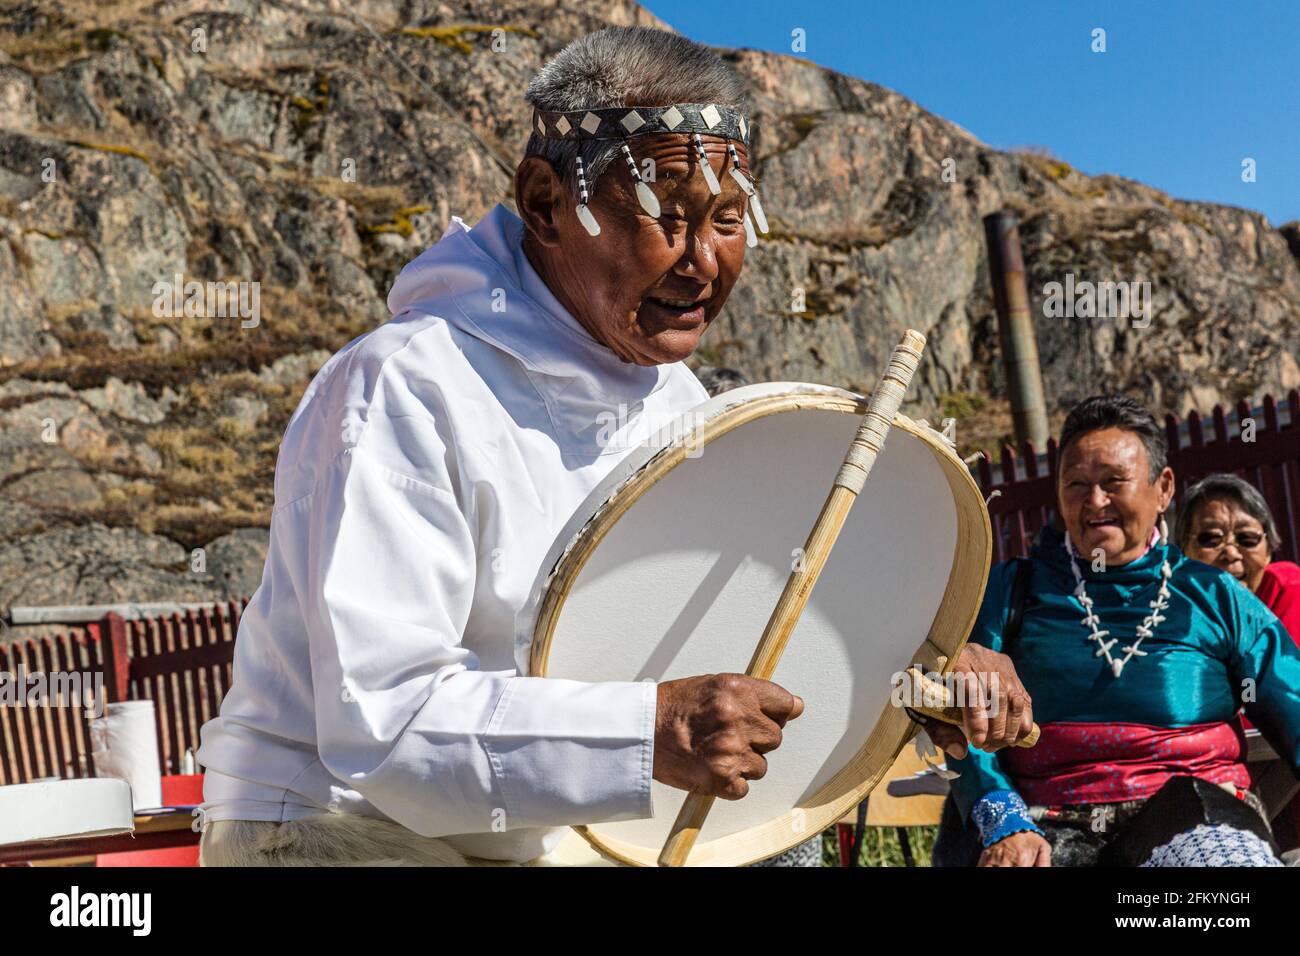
[1215, 540]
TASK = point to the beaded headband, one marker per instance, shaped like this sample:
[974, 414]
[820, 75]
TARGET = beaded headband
[623, 122]
[620, 122]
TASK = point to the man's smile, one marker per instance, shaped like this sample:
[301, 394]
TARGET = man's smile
[675, 311]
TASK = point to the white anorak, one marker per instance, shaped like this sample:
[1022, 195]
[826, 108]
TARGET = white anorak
[420, 484]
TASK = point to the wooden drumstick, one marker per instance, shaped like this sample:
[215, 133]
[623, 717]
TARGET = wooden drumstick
[933, 690]
[870, 438]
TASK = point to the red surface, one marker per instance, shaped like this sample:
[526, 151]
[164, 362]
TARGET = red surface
[182, 790]
[844, 840]
[172, 856]
[178, 790]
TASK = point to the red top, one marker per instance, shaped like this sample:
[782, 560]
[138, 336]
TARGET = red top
[1280, 590]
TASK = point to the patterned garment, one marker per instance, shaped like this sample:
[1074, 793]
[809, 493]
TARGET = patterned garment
[1214, 846]
[1072, 845]
[808, 853]
[1104, 763]
[1080, 846]
[1187, 821]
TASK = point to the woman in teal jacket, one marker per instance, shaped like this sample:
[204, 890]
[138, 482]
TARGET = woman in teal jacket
[1138, 660]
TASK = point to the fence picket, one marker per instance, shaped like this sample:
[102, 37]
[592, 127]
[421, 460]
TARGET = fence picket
[9, 772]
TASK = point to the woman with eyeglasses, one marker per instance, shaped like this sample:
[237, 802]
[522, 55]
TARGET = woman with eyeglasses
[1224, 521]
[1139, 661]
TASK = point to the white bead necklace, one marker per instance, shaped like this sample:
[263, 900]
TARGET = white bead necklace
[1143, 630]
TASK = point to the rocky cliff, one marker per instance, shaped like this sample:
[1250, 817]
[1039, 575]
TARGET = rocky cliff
[316, 146]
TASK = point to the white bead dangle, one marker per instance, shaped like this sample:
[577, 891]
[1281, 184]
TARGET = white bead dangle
[746, 184]
[648, 200]
[585, 215]
[706, 167]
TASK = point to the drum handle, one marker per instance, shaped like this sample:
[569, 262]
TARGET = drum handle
[870, 438]
[944, 711]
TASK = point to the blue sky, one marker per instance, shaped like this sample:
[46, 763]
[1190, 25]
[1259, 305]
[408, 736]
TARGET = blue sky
[1185, 91]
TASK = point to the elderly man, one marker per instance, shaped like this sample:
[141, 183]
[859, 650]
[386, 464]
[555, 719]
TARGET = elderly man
[379, 712]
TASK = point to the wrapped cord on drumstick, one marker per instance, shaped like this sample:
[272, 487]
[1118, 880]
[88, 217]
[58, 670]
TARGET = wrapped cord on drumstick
[849, 481]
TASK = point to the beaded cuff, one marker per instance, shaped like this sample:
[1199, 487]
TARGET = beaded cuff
[1000, 813]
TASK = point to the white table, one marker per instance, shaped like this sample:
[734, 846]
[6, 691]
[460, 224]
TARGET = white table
[64, 810]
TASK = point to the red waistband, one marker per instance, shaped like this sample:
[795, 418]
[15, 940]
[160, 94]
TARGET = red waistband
[1107, 763]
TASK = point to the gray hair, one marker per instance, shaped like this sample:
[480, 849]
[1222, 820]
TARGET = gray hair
[1117, 411]
[1219, 486]
[623, 66]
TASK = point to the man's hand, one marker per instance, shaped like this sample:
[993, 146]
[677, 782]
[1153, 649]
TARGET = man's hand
[711, 732]
[991, 724]
[1020, 849]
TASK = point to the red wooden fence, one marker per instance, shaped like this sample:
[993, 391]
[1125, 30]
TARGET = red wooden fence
[1026, 487]
[43, 740]
[182, 663]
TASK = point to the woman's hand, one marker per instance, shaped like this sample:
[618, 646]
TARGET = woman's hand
[998, 710]
[1020, 849]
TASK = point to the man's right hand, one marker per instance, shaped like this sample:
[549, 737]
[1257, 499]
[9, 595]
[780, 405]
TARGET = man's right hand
[711, 732]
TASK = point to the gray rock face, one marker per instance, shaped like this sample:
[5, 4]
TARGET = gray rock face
[877, 238]
[233, 562]
[280, 143]
[89, 565]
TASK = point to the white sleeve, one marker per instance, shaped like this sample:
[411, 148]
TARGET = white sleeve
[405, 716]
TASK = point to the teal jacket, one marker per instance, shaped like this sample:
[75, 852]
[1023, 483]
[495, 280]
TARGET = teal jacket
[1219, 647]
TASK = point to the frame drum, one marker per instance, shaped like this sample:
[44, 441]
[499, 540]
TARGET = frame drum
[675, 561]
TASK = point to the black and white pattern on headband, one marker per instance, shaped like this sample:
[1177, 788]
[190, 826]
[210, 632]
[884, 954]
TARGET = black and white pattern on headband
[622, 122]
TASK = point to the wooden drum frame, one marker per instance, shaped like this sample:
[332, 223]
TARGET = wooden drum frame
[947, 633]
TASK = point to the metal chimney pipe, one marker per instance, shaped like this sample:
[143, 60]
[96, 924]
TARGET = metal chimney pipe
[1016, 330]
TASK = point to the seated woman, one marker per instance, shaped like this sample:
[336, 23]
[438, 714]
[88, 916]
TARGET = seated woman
[1224, 521]
[1138, 660]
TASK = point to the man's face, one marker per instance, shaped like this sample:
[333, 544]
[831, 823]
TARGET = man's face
[1107, 499]
[648, 287]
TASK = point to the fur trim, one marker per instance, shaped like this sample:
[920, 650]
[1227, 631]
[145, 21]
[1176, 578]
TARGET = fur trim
[323, 839]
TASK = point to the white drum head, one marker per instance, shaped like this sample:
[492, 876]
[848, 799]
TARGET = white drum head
[675, 563]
